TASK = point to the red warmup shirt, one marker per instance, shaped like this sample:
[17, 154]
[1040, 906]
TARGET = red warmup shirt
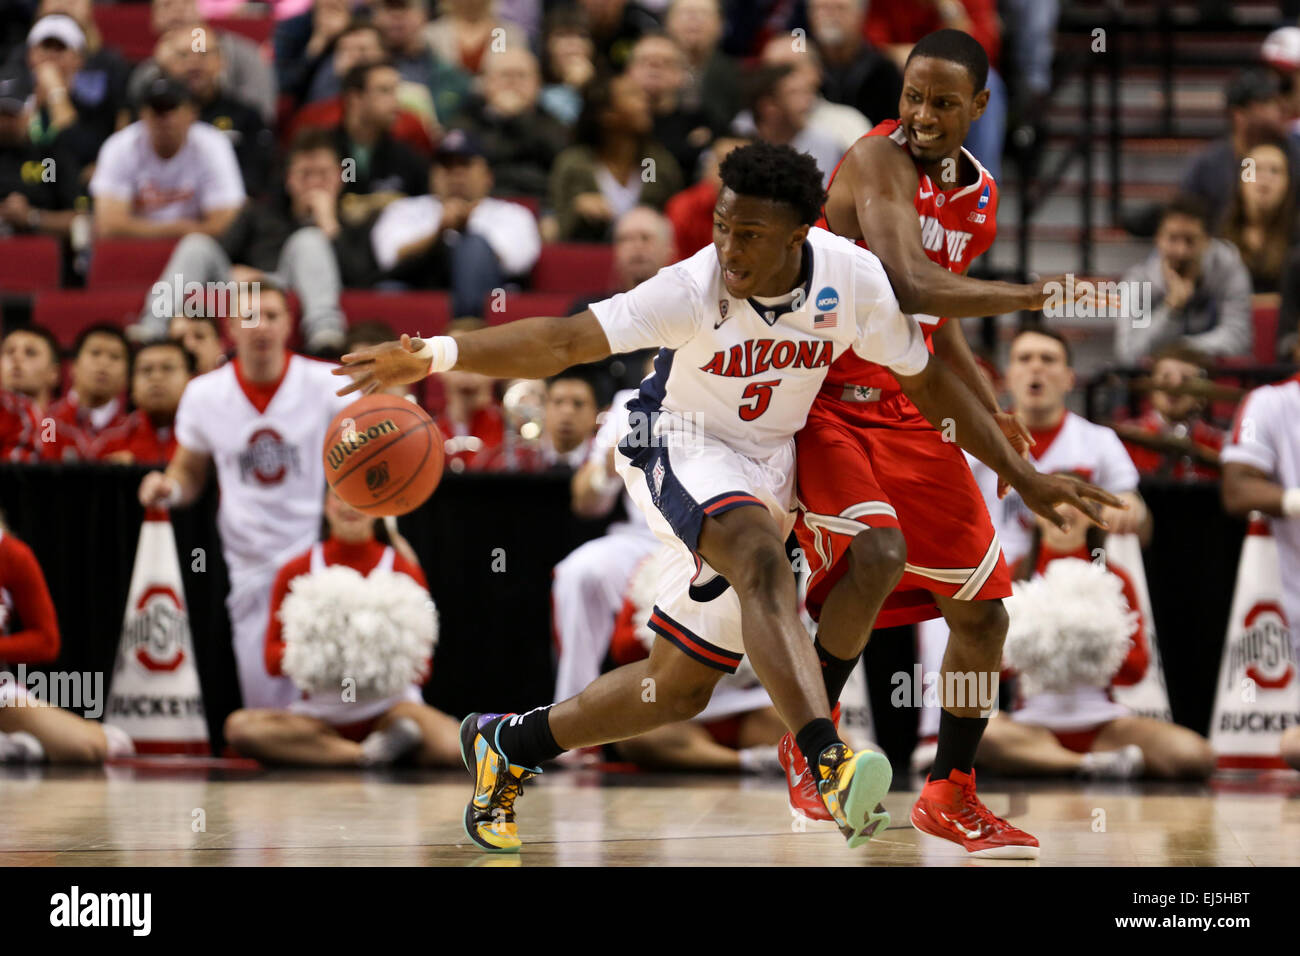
[25, 600]
[1149, 461]
[137, 436]
[361, 557]
[488, 425]
[691, 213]
[68, 411]
[957, 226]
[31, 436]
[906, 21]
[1135, 664]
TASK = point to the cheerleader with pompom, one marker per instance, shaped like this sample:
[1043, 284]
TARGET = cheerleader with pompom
[1074, 633]
[353, 626]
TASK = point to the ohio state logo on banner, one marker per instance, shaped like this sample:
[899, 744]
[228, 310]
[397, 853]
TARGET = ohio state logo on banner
[1257, 697]
[154, 695]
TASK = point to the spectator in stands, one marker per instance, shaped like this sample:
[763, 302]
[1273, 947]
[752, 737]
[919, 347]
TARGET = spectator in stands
[99, 87]
[471, 421]
[376, 168]
[855, 73]
[615, 26]
[159, 373]
[38, 187]
[324, 730]
[1200, 290]
[844, 124]
[458, 237]
[245, 72]
[199, 336]
[712, 77]
[568, 426]
[1177, 416]
[468, 30]
[568, 64]
[356, 45]
[658, 66]
[1262, 217]
[315, 50]
[30, 365]
[99, 375]
[1084, 730]
[1255, 113]
[401, 26]
[781, 100]
[201, 71]
[520, 140]
[166, 175]
[34, 730]
[297, 242]
[691, 210]
[60, 116]
[1281, 51]
[614, 164]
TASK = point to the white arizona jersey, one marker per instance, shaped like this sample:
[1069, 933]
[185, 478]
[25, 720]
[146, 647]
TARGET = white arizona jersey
[1077, 444]
[746, 373]
[268, 462]
[1264, 436]
[607, 438]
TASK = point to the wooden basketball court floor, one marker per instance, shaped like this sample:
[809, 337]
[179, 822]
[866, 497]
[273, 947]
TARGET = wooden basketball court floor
[215, 817]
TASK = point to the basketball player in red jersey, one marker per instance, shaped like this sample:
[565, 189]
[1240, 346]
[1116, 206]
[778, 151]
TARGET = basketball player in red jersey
[868, 460]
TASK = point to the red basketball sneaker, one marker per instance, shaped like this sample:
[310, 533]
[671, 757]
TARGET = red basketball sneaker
[951, 810]
[804, 798]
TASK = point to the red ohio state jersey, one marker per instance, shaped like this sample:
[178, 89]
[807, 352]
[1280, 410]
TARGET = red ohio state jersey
[957, 226]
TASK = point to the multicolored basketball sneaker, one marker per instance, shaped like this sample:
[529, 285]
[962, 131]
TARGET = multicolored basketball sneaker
[949, 809]
[852, 786]
[805, 799]
[490, 816]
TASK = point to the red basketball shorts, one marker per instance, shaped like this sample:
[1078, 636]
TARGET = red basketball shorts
[851, 478]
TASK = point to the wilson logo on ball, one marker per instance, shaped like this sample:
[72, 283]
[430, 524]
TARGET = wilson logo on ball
[354, 440]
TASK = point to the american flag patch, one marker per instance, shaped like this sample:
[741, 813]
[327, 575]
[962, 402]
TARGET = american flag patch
[825, 320]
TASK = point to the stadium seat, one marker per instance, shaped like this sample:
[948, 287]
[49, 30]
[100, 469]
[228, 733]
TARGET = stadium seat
[1264, 318]
[411, 312]
[129, 28]
[522, 305]
[29, 263]
[577, 267]
[531, 203]
[65, 312]
[127, 263]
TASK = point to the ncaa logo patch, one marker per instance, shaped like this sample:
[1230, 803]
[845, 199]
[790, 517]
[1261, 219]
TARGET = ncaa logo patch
[827, 299]
[984, 198]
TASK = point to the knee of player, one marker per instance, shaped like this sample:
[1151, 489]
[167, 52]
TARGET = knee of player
[239, 728]
[1195, 758]
[983, 622]
[877, 558]
[684, 695]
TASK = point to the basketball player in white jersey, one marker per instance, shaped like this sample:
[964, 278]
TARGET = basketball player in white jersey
[1039, 377]
[747, 329]
[260, 421]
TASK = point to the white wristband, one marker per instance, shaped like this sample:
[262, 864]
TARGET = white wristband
[1291, 502]
[174, 496]
[441, 351]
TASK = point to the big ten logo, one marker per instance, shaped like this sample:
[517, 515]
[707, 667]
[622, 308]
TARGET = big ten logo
[648, 170]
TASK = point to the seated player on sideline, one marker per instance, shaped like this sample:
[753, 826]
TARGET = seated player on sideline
[710, 460]
[32, 730]
[1086, 731]
[335, 733]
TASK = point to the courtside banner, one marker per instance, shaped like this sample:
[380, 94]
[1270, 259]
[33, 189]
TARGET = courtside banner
[1149, 697]
[1258, 693]
[154, 695]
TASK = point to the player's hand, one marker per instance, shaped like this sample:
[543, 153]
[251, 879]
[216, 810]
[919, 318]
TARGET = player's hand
[1124, 521]
[1042, 493]
[1017, 432]
[1040, 290]
[378, 366]
[156, 490]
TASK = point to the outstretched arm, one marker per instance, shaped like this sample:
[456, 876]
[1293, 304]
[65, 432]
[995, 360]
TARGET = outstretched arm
[529, 348]
[944, 401]
[872, 198]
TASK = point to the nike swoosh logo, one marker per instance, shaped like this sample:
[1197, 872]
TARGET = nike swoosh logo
[794, 777]
[970, 834]
[922, 195]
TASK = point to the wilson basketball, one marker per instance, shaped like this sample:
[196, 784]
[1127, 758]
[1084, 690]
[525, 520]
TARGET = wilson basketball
[383, 455]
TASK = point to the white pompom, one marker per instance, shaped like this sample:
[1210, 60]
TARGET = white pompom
[1069, 627]
[378, 631]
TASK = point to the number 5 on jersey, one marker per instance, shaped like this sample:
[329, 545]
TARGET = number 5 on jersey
[761, 392]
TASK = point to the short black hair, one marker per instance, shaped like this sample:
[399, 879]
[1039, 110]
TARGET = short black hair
[597, 98]
[209, 319]
[355, 79]
[41, 332]
[1038, 328]
[368, 332]
[191, 363]
[762, 82]
[586, 374]
[1189, 206]
[958, 47]
[310, 140]
[780, 173]
[100, 328]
